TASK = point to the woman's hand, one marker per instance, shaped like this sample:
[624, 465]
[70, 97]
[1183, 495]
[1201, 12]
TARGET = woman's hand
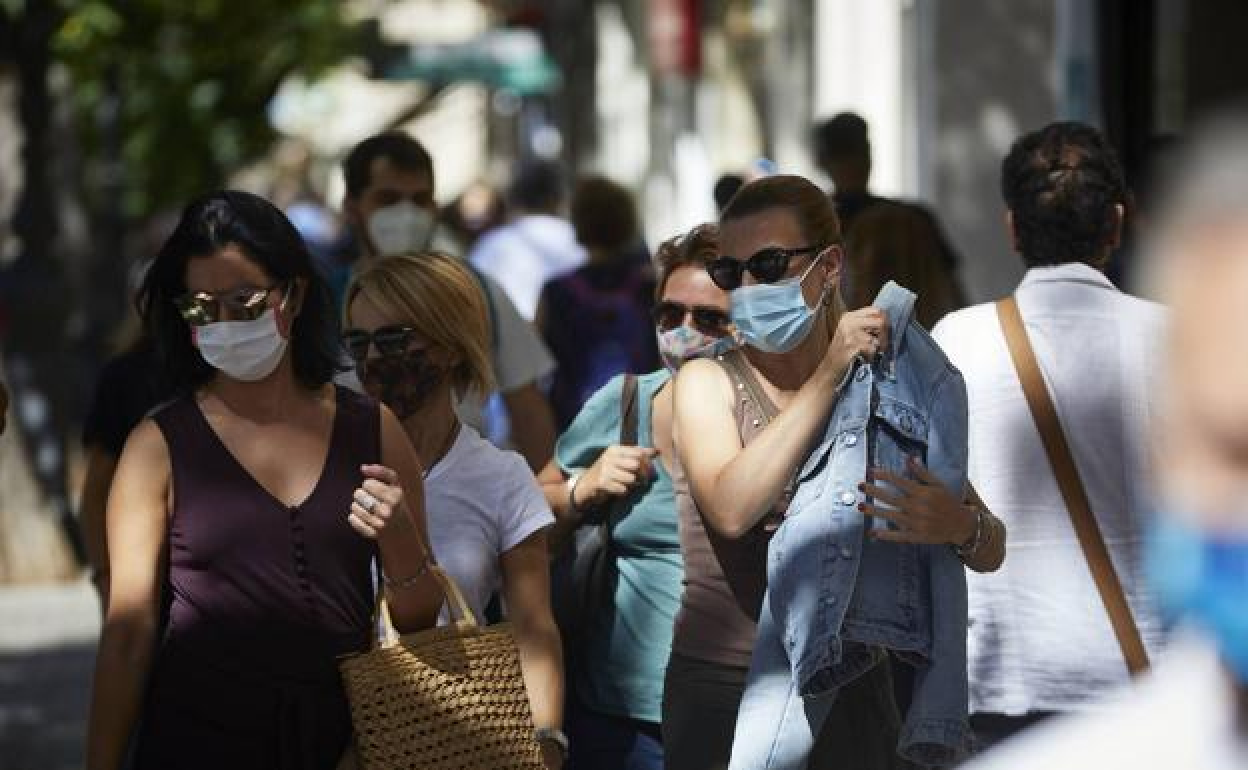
[924, 510]
[862, 332]
[375, 503]
[614, 474]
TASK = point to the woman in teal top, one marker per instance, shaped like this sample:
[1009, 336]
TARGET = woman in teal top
[615, 703]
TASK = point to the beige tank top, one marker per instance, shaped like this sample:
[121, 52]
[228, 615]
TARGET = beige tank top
[724, 579]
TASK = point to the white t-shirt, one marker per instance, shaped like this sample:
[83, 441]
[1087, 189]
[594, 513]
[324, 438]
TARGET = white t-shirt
[480, 502]
[1181, 716]
[523, 255]
[1039, 636]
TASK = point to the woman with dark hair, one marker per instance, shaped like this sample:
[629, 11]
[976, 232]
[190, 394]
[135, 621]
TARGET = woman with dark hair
[246, 515]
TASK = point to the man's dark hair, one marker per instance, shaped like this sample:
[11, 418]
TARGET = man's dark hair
[537, 186]
[404, 152]
[841, 135]
[1061, 184]
[604, 215]
[267, 238]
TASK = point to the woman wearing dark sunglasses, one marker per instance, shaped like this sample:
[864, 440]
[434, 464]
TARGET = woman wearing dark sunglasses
[616, 679]
[743, 426]
[418, 331]
[245, 516]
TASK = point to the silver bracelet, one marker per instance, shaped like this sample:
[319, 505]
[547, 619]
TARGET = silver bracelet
[406, 582]
[967, 549]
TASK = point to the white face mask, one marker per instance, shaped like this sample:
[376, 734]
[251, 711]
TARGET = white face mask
[401, 228]
[242, 350]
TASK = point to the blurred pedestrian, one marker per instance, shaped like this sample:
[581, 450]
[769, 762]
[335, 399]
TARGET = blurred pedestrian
[391, 210]
[261, 497]
[744, 424]
[902, 241]
[418, 332]
[1041, 640]
[616, 690]
[1191, 711]
[725, 187]
[596, 319]
[538, 244]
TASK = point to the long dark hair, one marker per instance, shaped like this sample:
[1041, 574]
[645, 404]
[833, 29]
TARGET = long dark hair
[268, 239]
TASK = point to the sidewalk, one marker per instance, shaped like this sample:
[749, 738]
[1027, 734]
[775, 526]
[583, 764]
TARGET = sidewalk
[47, 651]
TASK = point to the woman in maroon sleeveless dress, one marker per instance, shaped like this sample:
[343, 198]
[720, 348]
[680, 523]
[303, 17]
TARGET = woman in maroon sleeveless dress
[246, 515]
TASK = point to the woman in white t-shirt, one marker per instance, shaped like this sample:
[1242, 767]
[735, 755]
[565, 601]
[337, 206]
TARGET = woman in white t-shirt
[418, 330]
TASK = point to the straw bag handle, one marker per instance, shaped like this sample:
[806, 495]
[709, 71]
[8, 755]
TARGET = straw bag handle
[461, 612]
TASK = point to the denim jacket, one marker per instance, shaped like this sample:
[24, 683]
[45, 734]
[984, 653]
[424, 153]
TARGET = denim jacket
[838, 598]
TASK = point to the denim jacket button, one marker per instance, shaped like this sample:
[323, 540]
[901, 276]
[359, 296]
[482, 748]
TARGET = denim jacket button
[862, 374]
[846, 552]
[851, 439]
[848, 498]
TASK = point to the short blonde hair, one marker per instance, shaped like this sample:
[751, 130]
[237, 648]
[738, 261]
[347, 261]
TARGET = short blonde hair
[439, 297]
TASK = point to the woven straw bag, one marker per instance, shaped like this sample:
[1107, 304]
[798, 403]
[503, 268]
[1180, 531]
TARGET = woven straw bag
[451, 698]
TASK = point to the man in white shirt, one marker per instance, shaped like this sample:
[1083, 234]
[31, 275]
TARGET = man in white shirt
[1040, 639]
[537, 245]
[390, 207]
[1191, 711]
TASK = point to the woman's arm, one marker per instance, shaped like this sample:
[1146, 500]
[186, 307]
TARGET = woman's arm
[735, 486]
[397, 522]
[613, 474]
[526, 591]
[101, 465]
[138, 509]
[926, 512]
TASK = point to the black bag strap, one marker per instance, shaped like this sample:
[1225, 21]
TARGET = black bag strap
[629, 412]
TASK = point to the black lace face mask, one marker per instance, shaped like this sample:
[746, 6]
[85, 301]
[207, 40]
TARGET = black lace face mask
[401, 381]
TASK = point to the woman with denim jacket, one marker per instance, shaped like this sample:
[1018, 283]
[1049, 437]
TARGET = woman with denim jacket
[781, 259]
[615, 703]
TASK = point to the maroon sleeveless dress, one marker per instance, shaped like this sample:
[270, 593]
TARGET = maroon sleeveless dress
[262, 599]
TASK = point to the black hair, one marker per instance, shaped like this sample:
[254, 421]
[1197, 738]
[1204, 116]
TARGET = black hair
[537, 186]
[267, 238]
[604, 215]
[1061, 184]
[725, 187]
[400, 149]
[841, 135]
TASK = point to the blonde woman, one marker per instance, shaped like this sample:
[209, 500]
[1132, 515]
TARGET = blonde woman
[418, 331]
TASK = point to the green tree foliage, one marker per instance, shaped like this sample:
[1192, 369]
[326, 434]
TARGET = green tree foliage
[189, 81]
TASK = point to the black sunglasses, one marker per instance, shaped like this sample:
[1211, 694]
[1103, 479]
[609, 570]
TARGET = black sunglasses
[669, 314]
[767, 266]
[389, 340]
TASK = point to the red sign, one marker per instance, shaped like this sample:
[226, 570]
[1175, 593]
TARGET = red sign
[675, 31]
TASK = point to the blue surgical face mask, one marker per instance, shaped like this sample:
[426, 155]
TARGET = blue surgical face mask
[774, 317]
[1202, 578]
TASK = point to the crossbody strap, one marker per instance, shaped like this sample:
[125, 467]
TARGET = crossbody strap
[1040, 402]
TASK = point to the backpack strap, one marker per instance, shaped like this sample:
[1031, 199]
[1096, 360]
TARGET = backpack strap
[1075, 496]
[629, 411]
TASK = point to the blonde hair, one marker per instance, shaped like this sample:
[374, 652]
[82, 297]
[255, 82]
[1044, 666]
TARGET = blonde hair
[437, 296]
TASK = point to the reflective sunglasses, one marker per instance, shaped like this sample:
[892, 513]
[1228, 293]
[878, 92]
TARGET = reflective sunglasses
[767, 266]
[669, 314]
[245, 303]
[389, 341]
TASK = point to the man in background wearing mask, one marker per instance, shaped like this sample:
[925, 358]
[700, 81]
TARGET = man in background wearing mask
[1191, 712]
[391, 210]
